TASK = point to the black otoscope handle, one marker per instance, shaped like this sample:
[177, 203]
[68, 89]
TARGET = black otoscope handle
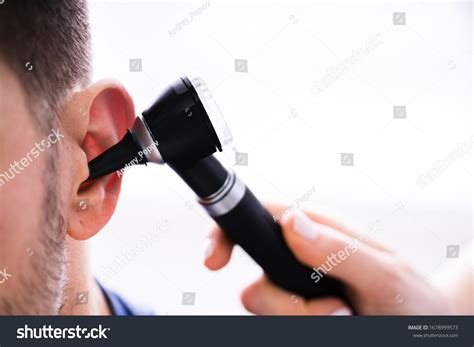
[247, 223]
[252, 227]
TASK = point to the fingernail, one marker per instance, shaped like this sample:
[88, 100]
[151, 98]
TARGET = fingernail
[304, 226]
[343, 311]
[209, 247]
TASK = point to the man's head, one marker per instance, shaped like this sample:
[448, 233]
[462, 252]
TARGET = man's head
[51, 123]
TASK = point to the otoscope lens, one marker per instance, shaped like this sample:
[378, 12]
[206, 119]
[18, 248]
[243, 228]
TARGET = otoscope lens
[212, 110]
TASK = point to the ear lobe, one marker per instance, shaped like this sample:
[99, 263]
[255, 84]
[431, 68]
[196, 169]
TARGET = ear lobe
[111, 112]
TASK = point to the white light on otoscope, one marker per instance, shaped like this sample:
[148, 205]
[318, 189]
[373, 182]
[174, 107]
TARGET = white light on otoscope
[212, 110]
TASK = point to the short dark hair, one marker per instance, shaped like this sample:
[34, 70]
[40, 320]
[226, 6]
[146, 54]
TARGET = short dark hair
[47, 44]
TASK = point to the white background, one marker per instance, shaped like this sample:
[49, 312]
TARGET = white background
[294, 137]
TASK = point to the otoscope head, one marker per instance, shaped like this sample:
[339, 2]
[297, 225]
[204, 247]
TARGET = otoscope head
[186, 123]
[182, 126]
[219, 125]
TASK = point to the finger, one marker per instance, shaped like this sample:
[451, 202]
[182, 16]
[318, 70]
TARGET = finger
[264, 298]
[218, 250]
[280, 211]
[328, 307]
[334, 253]
[277, 210]
[321, 219]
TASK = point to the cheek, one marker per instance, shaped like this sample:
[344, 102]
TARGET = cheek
[21, 200]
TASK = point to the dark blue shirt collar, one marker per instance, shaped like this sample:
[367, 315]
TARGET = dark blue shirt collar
[120, 307]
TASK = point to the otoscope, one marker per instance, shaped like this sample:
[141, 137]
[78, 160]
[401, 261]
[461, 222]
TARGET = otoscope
[184, 128]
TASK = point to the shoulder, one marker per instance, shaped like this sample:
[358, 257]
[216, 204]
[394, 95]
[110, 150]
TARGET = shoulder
[121, 307]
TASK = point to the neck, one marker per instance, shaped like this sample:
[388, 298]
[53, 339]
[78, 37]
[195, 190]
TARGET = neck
[82, 294]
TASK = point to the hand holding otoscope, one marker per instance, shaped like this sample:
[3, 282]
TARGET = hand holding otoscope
[183, 128]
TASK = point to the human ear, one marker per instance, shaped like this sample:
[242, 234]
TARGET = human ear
[108, 111]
